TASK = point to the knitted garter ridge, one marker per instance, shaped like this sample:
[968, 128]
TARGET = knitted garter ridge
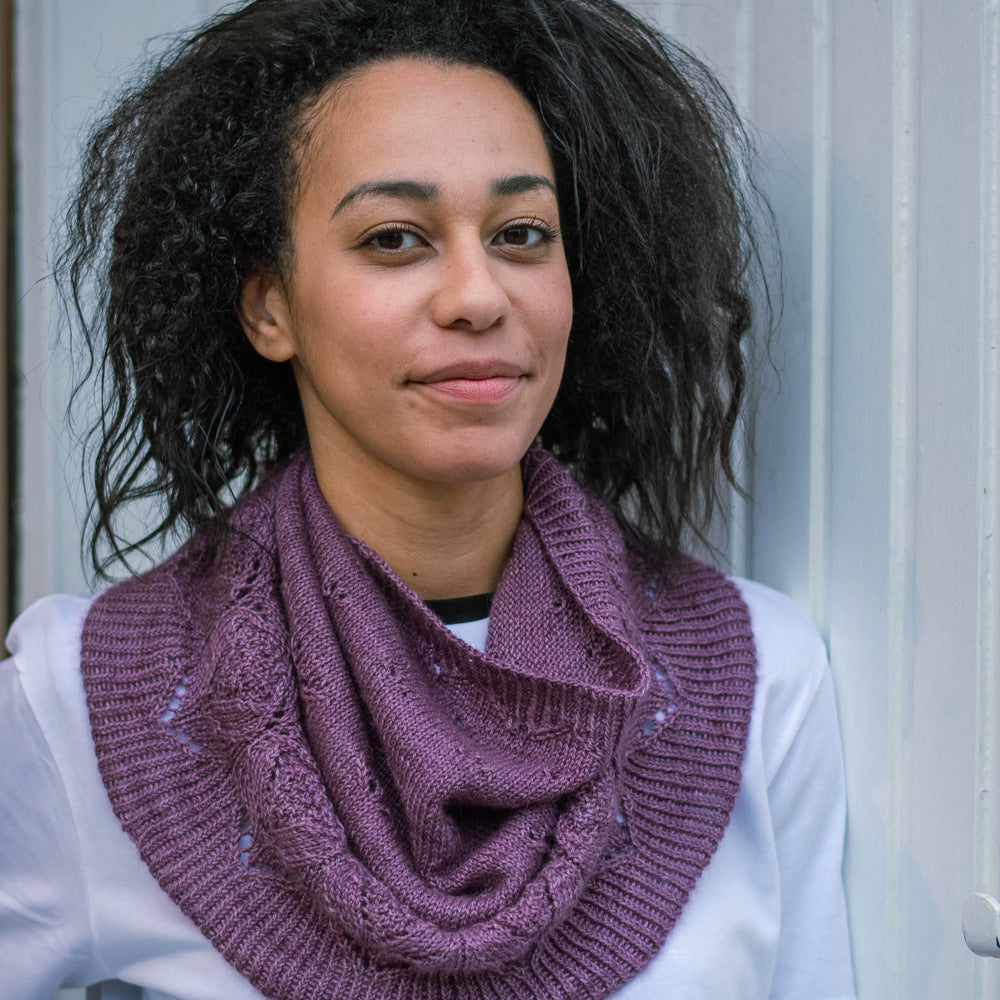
[351, 802]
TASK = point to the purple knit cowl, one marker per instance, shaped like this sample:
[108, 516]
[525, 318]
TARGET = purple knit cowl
[351, 802]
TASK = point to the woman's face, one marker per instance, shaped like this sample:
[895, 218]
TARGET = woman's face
[427, 305]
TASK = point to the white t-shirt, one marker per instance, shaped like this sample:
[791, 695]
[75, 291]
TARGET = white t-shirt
[766, 920]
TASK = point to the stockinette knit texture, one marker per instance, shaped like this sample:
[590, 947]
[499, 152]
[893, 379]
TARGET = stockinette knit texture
[351, 802]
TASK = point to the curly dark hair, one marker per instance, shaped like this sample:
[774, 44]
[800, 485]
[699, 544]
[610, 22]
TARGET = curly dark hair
[185, 190]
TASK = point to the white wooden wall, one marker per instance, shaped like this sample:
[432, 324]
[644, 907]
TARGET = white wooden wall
[876, 468]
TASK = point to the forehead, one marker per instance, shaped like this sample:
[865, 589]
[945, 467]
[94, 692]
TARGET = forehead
[423, 120]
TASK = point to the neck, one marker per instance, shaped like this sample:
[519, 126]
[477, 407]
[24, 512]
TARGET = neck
[442, 539]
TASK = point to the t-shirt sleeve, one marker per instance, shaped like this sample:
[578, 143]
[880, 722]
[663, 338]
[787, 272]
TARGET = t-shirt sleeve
[45, 939]
[807, 806]
[804, 768]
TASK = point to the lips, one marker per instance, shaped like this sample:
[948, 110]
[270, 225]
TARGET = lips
[481, 382]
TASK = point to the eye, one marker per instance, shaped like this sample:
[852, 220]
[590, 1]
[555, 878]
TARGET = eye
[525, 234]
[393, 240]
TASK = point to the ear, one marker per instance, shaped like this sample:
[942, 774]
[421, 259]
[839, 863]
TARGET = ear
[266, 318]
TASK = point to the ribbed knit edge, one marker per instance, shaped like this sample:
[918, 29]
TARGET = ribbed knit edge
[679, 776]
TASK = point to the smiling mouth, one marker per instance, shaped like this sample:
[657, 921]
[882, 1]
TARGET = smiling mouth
[480, 382]
[492, 389]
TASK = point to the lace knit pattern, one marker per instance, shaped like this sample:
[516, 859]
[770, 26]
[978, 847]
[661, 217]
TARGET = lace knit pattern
[351, 802]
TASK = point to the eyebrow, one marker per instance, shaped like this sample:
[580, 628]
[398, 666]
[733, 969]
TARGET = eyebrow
[503, 187]
[518, 184]
[410, 190]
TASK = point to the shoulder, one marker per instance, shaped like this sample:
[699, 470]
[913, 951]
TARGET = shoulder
[791, 656]
[783, 632]
[44, 643]
[49, 628]
[792, 669]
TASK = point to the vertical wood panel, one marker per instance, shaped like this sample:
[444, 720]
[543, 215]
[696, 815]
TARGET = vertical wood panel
[37, 514]
[901, 478]
[7, 355]
[782, 119]
[860, 380]
[820, 315]
[710, 30]
[941, 668]
[665, 16]
[987, 772]
[740, 513]
[745, 57]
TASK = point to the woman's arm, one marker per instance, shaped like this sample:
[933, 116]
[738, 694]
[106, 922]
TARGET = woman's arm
[45, 938]
[803, 768]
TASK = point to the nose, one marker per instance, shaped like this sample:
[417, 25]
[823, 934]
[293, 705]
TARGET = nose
[469, 294]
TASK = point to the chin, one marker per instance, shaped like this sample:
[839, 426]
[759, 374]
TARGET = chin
[471, 464]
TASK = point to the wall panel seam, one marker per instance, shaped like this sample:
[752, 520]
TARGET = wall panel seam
[820, 319]
[33, 115]
[740, 526]
[901, 473]
[986, 863]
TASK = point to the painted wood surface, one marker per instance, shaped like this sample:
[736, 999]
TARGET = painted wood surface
[875, 465]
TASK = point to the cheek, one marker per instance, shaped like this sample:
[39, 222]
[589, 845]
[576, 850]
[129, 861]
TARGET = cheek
[338, 326]
[555, 313]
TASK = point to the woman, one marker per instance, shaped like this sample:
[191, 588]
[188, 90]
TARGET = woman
[429, 711]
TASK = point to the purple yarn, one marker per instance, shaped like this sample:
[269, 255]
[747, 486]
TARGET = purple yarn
[364, 806]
